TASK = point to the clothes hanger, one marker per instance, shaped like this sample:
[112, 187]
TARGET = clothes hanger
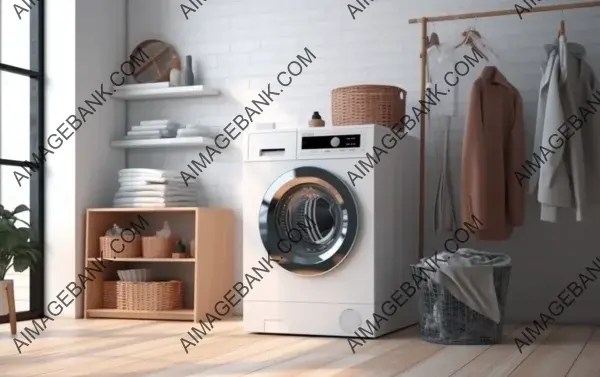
[561, 29]
[434, 40]
[477, 42]
[470, 36]
[434, 43]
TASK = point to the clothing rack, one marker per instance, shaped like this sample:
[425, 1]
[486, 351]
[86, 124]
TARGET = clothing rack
[424, 45]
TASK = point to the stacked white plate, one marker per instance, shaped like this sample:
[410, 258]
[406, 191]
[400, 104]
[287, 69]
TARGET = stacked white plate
[153, 129]
[192, 130]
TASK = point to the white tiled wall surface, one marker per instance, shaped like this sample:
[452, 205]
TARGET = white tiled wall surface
[240, 46]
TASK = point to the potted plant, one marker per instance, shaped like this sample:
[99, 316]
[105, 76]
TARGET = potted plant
[17, 248]
[180, 250]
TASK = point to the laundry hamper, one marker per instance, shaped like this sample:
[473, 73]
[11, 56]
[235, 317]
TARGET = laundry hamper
[446, 320]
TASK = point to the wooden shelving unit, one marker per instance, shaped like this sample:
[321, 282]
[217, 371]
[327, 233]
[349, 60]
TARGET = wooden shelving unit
[213, 230]
[171, 315]
[150, 260]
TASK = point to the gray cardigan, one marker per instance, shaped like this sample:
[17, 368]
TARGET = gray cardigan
[569, 170]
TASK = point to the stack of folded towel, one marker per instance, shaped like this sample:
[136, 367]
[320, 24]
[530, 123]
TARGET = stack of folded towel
[153, 129]
[192, 130]
[153, 188]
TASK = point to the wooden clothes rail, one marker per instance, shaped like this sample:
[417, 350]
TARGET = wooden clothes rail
[424, 45]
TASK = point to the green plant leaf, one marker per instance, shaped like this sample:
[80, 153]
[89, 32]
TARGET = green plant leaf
[3, 269]
[21, 263]
[11, 240]
[17, 247]
[20, 208]
[5, 225]
[29, 252]
[25, 233]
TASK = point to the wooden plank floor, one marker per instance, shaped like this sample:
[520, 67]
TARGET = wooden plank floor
[128, 348]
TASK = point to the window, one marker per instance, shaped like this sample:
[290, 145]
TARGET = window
[21, 133]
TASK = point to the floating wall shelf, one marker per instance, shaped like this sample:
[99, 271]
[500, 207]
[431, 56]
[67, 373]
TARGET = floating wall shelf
[170, 142]
[164, 93]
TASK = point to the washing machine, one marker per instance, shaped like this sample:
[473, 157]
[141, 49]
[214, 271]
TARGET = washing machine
[336, 210]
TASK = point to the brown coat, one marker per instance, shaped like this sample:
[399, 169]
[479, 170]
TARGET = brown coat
[493, 149]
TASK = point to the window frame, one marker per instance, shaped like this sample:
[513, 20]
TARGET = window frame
[37, 135]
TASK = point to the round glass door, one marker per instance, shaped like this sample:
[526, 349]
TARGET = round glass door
[308, 221]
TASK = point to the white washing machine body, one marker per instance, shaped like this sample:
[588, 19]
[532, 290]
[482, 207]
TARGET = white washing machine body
[340, 249]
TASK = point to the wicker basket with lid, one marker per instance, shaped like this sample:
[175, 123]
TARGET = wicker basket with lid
[368, 104]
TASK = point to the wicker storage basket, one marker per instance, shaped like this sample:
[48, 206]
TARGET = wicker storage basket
[446, 320]
[163, 295]
[368, 104]
[131, 249]
[109, 295]
[158, 247]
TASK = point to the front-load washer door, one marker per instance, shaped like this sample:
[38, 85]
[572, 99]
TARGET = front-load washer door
[308, 221]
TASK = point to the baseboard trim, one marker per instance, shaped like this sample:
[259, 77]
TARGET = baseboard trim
[581, 311]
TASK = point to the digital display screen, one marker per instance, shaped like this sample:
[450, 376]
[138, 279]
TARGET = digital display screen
[331, 142]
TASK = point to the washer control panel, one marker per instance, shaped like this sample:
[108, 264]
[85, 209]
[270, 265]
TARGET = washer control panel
[348, 142]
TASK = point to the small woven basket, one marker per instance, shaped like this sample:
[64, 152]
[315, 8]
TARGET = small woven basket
[163, 295]
[109, 295]
[158, 247]
[368, 104]
[131, 249]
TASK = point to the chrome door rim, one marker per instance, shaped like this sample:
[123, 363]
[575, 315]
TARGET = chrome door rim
[324, 262]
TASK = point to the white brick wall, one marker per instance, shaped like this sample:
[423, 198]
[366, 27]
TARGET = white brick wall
[239, 46]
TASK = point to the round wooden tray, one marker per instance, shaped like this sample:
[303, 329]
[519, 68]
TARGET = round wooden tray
[163, 58]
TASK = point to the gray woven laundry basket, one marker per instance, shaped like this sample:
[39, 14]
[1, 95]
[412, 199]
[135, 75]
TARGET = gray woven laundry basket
[446, 320]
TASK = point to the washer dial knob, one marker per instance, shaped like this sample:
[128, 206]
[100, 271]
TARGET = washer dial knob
[335, 142]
